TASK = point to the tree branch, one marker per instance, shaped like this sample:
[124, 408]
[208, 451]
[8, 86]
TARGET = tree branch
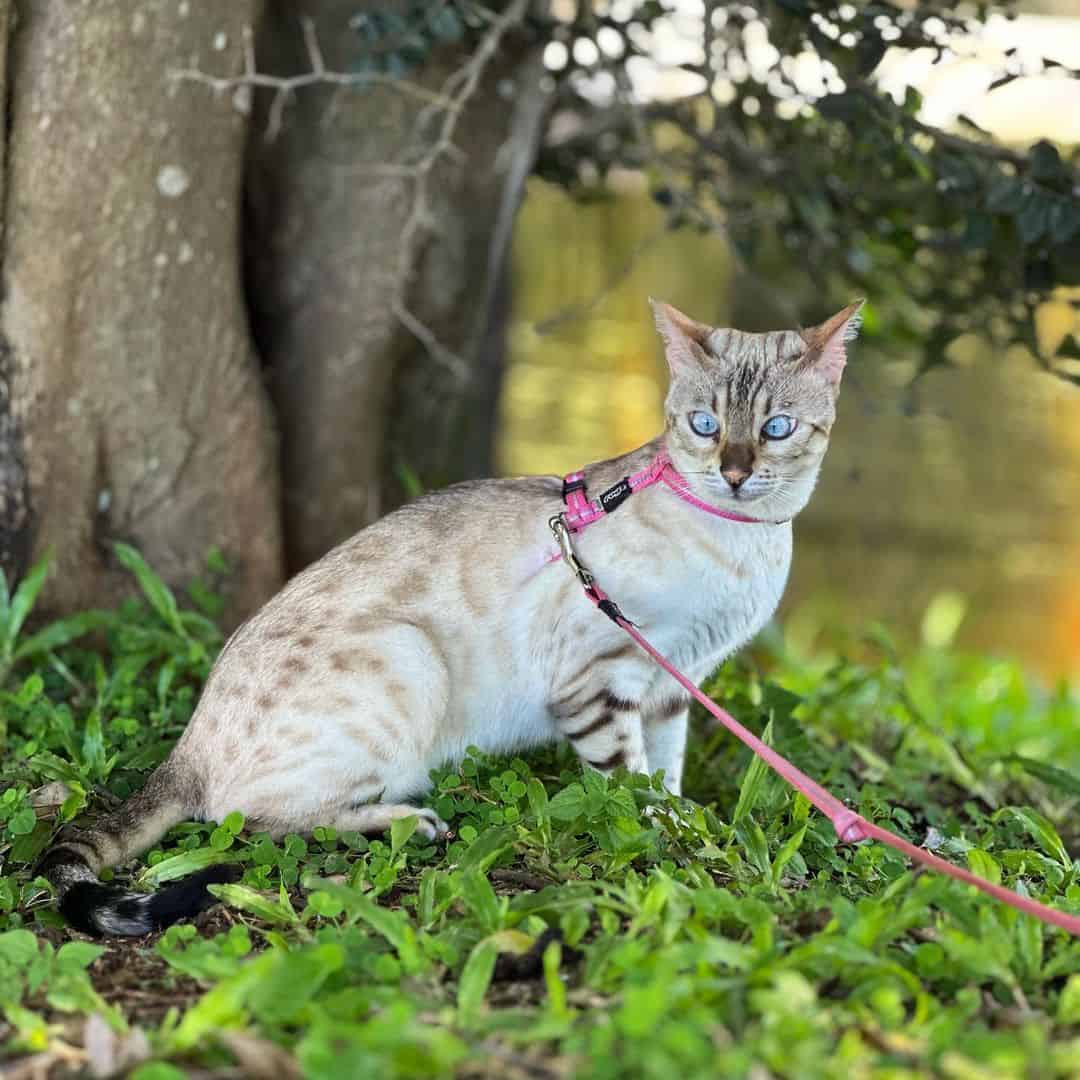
[285, 86]
[448, 103]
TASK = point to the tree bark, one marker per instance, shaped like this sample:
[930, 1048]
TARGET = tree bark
[15, 522]
[135, 398]
[358, 396]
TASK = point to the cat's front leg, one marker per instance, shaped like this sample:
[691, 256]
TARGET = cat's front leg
[606, 732]
[595, 705]
[664, 725]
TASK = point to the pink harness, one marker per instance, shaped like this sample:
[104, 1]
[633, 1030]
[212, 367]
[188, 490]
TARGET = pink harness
[850, 827]
[581, 511]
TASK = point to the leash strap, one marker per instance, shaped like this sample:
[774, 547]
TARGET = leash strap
[850, 827]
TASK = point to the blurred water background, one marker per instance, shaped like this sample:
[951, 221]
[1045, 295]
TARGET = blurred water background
[950, 501]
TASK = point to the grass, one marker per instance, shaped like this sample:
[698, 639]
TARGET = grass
[564, 932]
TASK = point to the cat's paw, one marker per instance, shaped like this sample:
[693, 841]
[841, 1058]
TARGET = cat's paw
[431, 826]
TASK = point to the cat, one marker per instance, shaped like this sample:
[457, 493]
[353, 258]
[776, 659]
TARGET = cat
[449, 624]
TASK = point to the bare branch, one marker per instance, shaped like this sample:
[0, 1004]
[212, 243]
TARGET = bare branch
[445, 106]
[284, 86]
[468, 79]
[314, 50]
[426, 336]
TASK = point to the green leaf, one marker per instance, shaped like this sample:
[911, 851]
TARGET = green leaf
[155, 590]
[481, 900]
[1064, 221]
[29, 846]
[1028, 933]
[979, 230]
[556, 988]
[1068, 1010]
[753, 780]
[752, 838]
[221, 839]
[446, 24]
[33, 1031]
[240, 896]
[178, 866]
[913, 101]
[63, 632]
[77, 955]
[787, 852]
[1048, 774]
[1006, 195]
[289, 984]
[9, 895]
[1044, 834]
[22, 602]
[157, 1070]
[984, 864]
[475, 979]
[568, 804]
[216, 562]
[400, 831]
[1046, 163]
[538, 799]
[326, 905]
[224, 1006]
[486, 848]
[18, 948]
[1034, 219]
[93, 747]
[22, 822]
[394, 926]
[410, 480]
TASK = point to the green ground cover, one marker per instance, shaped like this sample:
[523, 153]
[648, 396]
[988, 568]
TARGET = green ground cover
[564, 931]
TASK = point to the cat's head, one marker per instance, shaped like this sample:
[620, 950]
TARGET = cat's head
[749, 415]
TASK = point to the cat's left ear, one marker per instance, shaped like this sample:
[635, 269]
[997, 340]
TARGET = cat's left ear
[685, 339]
[827, 344]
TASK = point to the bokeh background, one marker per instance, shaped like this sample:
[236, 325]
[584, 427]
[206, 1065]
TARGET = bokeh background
[948, 502]
[338, 252]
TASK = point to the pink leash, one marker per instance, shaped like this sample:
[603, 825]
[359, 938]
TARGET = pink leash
[850, 827]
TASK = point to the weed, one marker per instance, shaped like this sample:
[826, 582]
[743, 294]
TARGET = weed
[576, 926]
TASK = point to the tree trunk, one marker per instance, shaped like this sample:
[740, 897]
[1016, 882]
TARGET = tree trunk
[134, 408]
[333, 260]
[15, 523]
[131, 401]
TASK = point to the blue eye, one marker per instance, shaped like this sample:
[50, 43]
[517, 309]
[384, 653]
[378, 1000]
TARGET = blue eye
[703, 423]
[778, 427]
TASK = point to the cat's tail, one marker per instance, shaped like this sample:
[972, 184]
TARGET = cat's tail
[73, 863]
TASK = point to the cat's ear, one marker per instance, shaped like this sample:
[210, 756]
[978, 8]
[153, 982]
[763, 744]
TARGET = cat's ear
[684, 338]
[827, 344]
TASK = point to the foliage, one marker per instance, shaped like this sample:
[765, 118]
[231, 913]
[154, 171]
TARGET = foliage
[776, 129]
[393, 42]
[781, 135]
[574, 926]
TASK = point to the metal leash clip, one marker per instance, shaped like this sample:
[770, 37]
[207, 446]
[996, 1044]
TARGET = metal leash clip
[561, 531]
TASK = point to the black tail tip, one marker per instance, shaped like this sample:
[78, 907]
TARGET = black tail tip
[111, 910]
[189, 896]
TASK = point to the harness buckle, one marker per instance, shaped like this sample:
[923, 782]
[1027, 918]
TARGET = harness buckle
[561, 531]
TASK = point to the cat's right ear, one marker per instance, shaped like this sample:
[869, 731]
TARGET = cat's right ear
[684, 338]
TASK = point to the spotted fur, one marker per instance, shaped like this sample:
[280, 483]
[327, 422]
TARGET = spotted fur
[444, 626]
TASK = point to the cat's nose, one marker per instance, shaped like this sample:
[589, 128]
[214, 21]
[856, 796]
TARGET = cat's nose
[735, 475]
[736, 463]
